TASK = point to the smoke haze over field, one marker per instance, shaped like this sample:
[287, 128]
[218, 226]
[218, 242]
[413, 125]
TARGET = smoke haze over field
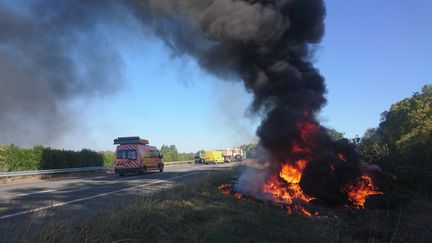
[51, 53]
[46, 63]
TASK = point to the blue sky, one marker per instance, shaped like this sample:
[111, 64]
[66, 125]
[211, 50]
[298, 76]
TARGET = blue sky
[374, 53]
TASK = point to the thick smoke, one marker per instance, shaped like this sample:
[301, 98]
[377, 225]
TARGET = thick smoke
[268, 45]
[51, 54]
[45, 64]
[264, 43]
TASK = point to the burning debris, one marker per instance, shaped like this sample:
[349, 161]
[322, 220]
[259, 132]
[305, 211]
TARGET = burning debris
[360, 189]
[319, 172]
[227, 189]
[316, 177]
[314, 172]
[285, 187]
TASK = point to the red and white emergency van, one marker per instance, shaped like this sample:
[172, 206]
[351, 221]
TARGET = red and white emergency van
[134, 155]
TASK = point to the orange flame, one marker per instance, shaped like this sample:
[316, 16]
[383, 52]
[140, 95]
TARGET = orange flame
[359, 190]
[225, 189]
[285, 187]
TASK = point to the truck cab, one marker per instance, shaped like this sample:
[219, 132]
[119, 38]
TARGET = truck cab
[199, 158]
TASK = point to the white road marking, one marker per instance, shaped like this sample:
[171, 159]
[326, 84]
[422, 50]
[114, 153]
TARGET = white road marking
[87, 198]
[31, 193]
[57, 189]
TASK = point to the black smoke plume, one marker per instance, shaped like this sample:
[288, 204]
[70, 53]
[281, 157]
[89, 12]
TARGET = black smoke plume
[267, 44]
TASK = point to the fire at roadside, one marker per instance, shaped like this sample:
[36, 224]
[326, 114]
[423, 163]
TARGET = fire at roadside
[284, 191]
[321, 174]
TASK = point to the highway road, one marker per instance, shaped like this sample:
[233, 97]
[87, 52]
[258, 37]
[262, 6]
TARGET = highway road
[26, 206]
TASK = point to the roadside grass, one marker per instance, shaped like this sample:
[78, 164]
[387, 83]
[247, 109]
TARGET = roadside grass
[198, 212]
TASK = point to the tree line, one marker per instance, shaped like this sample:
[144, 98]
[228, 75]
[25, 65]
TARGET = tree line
[14, 158]
[171, 153]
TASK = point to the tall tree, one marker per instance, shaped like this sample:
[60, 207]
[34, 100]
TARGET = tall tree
[403, 141]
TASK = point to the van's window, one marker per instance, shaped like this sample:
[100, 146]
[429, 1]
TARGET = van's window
[150, 153]
[154, 153]
[146, 154]
[123, 154]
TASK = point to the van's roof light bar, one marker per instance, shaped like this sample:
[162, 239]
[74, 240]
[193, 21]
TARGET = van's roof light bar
[130, 140]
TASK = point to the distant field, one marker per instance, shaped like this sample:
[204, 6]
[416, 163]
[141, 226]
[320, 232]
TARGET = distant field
[198, 212]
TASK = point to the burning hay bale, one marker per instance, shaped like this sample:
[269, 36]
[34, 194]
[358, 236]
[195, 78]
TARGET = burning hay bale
[284, 190]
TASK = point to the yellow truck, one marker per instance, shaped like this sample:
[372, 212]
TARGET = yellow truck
[213, 157]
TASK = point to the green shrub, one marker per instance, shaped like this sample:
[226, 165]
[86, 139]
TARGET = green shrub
[58, 159]
[14, 158]
[171, 153]
[108, 157]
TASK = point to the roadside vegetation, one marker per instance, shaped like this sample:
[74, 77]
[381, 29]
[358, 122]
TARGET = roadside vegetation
[402, 143]
[14, 158]
[171, 153]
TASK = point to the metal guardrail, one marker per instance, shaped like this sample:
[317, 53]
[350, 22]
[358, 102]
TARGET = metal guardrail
[179, 162]
[70, 170]
[53, 171]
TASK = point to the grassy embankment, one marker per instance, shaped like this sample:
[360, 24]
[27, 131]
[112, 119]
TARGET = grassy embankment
[198, 212]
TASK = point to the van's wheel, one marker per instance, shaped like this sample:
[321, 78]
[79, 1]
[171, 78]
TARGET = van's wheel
[143, 171]
[161, 168]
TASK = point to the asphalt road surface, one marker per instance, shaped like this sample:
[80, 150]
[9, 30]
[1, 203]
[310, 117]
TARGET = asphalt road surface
[25, 206]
